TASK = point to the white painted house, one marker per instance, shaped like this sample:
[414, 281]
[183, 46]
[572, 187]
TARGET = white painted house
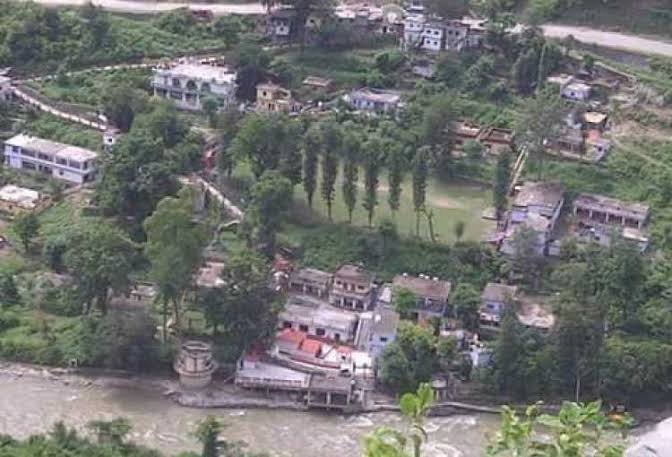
[61, 161]
[5, 89]
[188, 84]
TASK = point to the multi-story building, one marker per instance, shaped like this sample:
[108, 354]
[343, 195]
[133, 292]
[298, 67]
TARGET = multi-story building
[310, 281]
[431, 294]
[62, 161]
[495, 299]
[352, 288]
[435, 35]
[315, 318]
[542, 198]
[272, 98]
[189, 84]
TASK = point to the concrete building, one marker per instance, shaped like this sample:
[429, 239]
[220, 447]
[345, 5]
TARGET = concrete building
[209, 274]
[195, 364]
[374, 100]
[433, 36]
[376, 330]
[16, 200]
[272, 98]
[352, 288]
[316, 318]
[495, 299]
[539, 224]
[576, 91]
[606, 210]
[310, 281]
[431, 295]
[188, 84]
[6, 90]
[61, 161]
[542, 198]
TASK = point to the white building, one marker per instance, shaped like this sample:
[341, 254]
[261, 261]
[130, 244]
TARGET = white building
[433, 36]
[188, 84]
[413, 27]
[374, 100]
[62, 161]
[576, 91]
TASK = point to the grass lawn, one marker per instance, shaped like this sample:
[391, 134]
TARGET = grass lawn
[450, 202]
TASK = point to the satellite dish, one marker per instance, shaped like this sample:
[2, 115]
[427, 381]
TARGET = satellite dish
[393, 13]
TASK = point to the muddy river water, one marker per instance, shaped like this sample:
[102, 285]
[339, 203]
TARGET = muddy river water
[32, 404]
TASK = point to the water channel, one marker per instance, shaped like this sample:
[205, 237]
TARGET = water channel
[32, 404]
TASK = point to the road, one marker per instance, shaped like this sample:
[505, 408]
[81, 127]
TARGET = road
[150, 7]
[615, 40]
[622, 41]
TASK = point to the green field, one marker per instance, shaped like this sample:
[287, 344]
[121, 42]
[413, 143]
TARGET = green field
[450, 202]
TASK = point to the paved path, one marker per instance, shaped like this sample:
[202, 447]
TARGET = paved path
[150, 7]
[615, 40]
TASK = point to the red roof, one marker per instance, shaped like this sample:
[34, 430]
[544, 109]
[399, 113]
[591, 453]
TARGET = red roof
[289, 335]
[313, 347]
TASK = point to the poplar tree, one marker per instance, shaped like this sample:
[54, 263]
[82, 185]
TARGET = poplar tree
[331, 146]
[501, 184]
[311, 147]
[396, 164]
[372, 161]
[351, 152]
[420, 175]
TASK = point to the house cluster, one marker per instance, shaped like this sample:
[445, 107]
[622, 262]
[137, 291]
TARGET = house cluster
[494, 140]
[188, 83]
[584, 136]
[433, 34]
[363, 19]
[593, 218]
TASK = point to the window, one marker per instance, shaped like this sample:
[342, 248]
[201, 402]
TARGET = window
[16, 149]
[27, 165]
[73, 164]
[303, 328]
[286, 324]
[61, 161]
[28, 153]
[383, 339]
[85, 165]
[337, 337]
[45, 157]
[320, 332]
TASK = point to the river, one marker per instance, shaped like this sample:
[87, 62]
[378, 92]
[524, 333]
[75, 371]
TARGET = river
[32, 404]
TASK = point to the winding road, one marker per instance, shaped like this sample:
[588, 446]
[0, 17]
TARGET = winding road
[622, 41]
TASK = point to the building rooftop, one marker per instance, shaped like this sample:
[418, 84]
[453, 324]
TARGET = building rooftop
[593, 117]
[354, 273]
[274, 374]
[210, 274]
[423, 286]
[385, 321]
[537, 222]
[578, 86]
[193, 70]
[376, 95]
[466, 129]
[608, 204]
[317, 81]
[312, 276]
[498, 292]
[59, 150]
[498, 135]
[540, 194]
[20, 196]
[315, 313]
[330, 383]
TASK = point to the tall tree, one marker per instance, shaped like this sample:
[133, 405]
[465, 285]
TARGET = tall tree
[269, 142]
[270, 199]
[351, 153]
[466, 300]
[540, 120]
[420, 176]
[312, 142]
[373, 156]
[174, 245]
[508, 352]
[396, 167]
[99, 258]
[332, 143]
[500, 188]
[437, 134]
[26, 226]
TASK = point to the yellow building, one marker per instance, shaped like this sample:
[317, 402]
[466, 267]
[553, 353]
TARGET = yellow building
[275, 99]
